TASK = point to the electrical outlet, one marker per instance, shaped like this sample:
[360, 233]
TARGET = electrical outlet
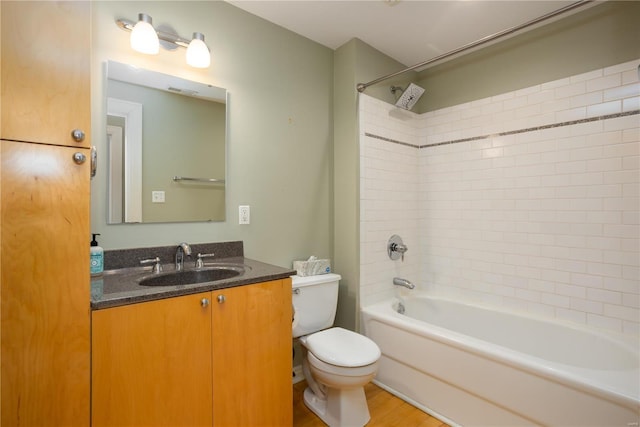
[244, 215]
[157, 197]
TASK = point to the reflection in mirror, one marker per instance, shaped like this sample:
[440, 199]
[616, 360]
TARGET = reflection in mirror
[166, 148]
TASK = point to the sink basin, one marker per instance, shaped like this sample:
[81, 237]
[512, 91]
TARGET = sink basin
[193, 276]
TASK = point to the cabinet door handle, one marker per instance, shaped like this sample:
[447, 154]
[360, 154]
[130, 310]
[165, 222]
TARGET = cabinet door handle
[221, 299]
[204, 302]
[77, 135]
[79, 158]
[94, 161]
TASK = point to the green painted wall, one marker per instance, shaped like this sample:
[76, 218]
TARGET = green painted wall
[280, 131]
[354, 62]
[293, 150]
[595, 38]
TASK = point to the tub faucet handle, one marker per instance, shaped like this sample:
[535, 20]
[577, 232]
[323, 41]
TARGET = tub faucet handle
[157, 267]
[200, 261]
[396, 247]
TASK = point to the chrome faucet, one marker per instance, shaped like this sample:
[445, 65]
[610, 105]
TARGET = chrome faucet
[403, 282]
[182, 250]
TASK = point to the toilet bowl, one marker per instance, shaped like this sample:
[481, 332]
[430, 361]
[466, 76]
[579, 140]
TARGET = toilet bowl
[336, 362]
[340, 376]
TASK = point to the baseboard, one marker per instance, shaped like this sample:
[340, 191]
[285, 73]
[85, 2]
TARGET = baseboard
[297, 374]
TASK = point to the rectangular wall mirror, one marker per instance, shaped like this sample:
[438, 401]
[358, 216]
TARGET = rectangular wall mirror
[166, 148]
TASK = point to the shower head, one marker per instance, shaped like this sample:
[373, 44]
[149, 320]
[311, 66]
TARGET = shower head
[409, 97]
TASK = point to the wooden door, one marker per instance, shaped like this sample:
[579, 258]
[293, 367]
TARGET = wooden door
[46, 69]
[44, 286]
[151, 363]
[252, 360]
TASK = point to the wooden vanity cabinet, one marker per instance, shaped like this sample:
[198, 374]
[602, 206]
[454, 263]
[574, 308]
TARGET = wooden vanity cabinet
[252, 360]
[219, 358]
[151, 363]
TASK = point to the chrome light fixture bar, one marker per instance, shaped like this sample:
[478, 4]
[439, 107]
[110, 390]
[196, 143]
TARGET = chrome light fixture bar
[198, 54]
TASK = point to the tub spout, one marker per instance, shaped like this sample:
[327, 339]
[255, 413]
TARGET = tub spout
[403, 282]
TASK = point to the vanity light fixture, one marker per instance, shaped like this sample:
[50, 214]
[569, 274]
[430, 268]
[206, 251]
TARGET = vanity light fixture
[198, 55]
[144, 38]
[149, 39]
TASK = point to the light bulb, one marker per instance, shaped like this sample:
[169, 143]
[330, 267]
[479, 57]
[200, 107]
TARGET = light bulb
[198, 55]
[144, 38]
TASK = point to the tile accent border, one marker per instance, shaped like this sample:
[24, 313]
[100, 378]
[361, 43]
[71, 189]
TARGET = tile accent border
[395, 141]
[511, 132]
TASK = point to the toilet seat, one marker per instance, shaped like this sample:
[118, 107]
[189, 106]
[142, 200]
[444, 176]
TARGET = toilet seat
[353, 372]
[341, 347]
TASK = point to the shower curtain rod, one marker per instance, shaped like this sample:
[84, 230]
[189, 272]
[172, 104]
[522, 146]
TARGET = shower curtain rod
[362, 86]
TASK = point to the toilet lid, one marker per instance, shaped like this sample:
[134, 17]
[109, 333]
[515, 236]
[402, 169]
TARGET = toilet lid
[341, 347]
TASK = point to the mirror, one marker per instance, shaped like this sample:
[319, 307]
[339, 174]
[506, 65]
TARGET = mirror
[166, 148]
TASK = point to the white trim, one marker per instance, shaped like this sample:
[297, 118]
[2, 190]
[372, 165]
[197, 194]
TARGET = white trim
[132, 113]
[115, 148]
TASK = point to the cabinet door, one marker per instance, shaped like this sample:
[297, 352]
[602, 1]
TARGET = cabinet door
[44, 286]
[252, 355]
[151, 363]
[46, 71]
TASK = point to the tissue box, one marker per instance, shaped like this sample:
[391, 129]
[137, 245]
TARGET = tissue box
[312, 268]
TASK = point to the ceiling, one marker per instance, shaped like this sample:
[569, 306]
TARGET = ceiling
[409, 31]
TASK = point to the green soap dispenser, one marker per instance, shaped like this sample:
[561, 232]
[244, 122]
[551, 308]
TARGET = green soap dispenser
[97, 257]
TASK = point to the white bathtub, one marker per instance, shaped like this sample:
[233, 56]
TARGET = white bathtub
[469, 365]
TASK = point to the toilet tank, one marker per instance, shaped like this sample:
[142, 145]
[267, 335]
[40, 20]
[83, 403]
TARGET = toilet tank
[315, 299]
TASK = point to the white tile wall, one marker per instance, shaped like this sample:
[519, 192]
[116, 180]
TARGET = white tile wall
[540, 220]
[388, 196]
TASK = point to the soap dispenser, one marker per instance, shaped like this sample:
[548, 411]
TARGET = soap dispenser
[97, 257]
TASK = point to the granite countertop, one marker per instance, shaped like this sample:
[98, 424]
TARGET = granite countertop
[119, 285]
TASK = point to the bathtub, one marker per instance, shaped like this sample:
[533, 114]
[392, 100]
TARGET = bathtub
[469, 365]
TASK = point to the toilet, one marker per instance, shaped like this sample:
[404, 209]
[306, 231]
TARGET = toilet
[337, 363]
